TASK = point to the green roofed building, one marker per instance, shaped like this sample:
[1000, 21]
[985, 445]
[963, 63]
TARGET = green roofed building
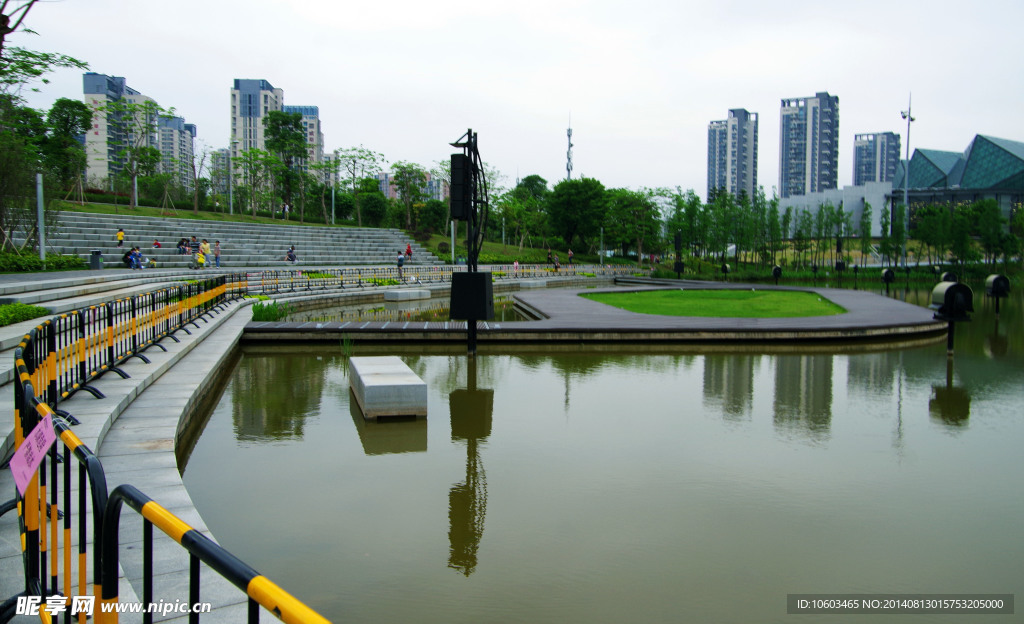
[990, 168]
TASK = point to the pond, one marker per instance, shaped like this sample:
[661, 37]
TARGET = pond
[575, 485]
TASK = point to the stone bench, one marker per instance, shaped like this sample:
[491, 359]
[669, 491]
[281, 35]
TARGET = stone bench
[407, 295]
[385, 387]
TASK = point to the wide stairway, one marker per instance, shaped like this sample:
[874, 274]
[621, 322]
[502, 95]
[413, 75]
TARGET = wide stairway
[242, 244]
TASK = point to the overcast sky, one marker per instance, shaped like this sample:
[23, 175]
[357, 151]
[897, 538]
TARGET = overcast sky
[641, 79]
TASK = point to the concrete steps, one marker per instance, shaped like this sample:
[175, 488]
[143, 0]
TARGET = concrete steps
[242, 244]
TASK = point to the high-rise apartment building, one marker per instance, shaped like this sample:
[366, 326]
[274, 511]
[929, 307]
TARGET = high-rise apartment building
[177, 147]
[312, 131]
[875, 157]
[251, 101]
[732, 153]
[809, 144]
[113, 132]
[219, 171]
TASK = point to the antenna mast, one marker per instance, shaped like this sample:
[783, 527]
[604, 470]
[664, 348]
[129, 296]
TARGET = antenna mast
[568, 153]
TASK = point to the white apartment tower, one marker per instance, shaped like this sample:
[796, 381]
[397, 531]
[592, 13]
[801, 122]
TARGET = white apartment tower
[809, 145]
[177, 149]
[251, 100]
[111, 133]
[313, 132]
[732, 153]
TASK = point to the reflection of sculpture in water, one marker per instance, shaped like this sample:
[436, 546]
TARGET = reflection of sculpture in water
[950, 404]
[996, 345]
[471, 414]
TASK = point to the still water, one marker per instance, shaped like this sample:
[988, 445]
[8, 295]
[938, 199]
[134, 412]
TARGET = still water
[686, 485]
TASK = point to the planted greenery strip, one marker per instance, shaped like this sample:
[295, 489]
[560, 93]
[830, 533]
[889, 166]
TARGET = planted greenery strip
[11, 313]
[272, 311]
[721, 303]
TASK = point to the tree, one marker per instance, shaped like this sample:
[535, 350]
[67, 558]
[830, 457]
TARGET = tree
[434, 215]
[284, 137]
[721, 217]
[932, 228]
[865, 230]
[802, 231]
[196, 166]
[373, 206]
[66, 121]
[136, 123]
[885, 248]
[633, 218]
[11, 19]
[257, 169]
[899, 230]
[532, 187]
[22, 129]
[576, 208]
[360, 163]
[409, 180]
[989, 226]
[961, 245]
[775, 235]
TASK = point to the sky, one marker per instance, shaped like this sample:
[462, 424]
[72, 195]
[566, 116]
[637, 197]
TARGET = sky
[639, 81]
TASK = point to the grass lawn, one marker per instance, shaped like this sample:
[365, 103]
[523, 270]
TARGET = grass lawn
[721, 303]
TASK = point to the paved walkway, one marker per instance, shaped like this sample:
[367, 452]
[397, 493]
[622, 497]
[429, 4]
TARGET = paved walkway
[567, 317]
[134, 429]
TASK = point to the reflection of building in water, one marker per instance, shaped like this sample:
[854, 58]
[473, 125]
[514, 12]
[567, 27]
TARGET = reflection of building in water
[873, 373]
[803, 392]
[471, 414]
[272, 396]
[729, 381]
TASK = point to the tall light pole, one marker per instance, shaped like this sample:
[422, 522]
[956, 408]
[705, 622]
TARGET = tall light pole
[906, 174]
[231, 188]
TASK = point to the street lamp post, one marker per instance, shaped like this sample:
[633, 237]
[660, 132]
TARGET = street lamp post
[231, 190]
[906, 174]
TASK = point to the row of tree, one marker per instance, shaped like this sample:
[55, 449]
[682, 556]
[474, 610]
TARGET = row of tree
[578, 213]
[32, 141]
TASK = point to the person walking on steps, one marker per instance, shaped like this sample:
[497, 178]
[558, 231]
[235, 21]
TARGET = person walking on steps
[401, 263]
[120, 237]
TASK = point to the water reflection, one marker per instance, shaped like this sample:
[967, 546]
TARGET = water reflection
[676, 475]
[472, 411]
[274, 396]
[729, 383]
[950, 404]
[386, 436]
[803, 394]
[419, 310]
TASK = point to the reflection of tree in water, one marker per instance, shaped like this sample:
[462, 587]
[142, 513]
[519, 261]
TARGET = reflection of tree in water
[272, 395]
[803, 394]
[452, 374]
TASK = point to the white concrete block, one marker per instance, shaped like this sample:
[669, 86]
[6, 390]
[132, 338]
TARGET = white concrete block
[406, 295]
[525, 284]
[384, 386]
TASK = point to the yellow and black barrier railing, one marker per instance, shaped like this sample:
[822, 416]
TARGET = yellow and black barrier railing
[301, 280]
[54, 564]
[57, 568]
[72, 350]
[260, 590]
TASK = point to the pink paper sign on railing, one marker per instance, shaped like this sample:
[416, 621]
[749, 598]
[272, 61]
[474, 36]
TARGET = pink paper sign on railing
[32, 452]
